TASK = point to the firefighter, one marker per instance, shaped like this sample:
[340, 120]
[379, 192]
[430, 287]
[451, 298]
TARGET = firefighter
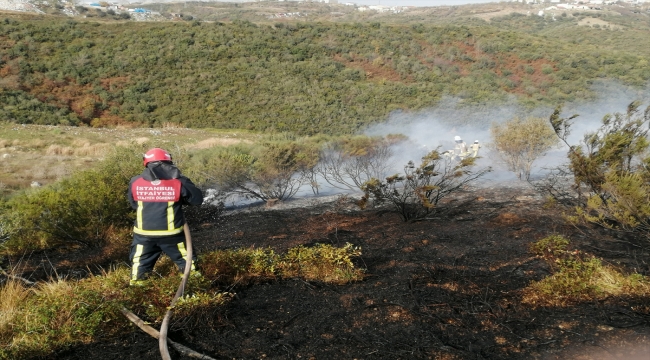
[474, 148]
[158, 195]
[461, 148]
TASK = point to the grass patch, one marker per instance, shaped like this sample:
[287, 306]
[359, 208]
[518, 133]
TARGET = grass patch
[578, 277]
[49, 153]
[37, 321]
[321, 262]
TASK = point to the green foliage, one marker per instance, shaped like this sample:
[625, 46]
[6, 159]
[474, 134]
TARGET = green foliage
[322, 262]
[550, 246]
[306, 78]
[610, 170]
[87, 208]
[578, 277]
[152, 297]
[520, 142]
[240, 266]
[39, 321]
[273, 169]
[573, 279]
[415, 194]
[58, 314]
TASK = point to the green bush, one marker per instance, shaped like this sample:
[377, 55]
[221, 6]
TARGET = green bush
[58, 314]
[270, 169]
[87, 208]
[611, 171]
[322, 262]
[578, 276]
[239, 266]
[550, 246]
[519, 142]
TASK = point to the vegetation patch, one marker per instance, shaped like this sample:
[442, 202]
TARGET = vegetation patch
[578, 277]
[53, 315]
[306, 78]
[597, 23]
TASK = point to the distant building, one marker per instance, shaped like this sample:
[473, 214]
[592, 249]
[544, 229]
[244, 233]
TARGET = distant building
[379, 8]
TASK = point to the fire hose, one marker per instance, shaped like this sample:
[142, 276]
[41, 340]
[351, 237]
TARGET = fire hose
[162, 339]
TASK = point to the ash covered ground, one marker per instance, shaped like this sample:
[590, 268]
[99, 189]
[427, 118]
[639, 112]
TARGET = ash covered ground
[449, 287]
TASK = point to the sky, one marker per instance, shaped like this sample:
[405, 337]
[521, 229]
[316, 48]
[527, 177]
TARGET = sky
[416, 2]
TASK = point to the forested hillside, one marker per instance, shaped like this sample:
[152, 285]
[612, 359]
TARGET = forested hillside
[303, 77]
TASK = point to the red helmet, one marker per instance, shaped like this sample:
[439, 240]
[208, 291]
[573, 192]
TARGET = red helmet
[156, 154]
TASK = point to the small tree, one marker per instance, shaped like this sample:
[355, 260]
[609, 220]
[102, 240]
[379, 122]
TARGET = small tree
[611, 170]
[415, 194]
[520, 142]
[350, 162]
[274, 170]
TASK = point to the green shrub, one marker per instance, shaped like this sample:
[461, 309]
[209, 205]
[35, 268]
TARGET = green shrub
[322, 262]
[270, 169]
[611, 170]
[550, 246]
[578, 277]
[520, 142]
[85, 209]
[240, 266]
[57, 314]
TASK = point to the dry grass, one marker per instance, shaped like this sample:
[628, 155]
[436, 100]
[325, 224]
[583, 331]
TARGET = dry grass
[578, 277]
[59, 150]
[590, 21]
[48, 153]
[214, 142]
[488, 14]
[35, 322]
[80, 148]
[12, 296]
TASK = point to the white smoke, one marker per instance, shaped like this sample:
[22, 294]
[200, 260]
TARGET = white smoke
[437, 127]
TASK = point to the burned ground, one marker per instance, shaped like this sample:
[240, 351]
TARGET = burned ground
[449, 287]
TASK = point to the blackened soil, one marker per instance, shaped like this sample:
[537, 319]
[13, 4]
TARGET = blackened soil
[449, 287]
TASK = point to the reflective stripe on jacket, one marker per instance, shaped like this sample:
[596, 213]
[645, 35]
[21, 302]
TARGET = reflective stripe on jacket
[158, 204]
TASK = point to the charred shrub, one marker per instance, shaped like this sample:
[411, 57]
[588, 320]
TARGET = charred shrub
[415, 194]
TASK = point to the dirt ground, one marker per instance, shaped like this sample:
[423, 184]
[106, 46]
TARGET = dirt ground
[444, 288]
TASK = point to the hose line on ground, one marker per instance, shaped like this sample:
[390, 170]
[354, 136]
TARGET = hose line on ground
[162, 339]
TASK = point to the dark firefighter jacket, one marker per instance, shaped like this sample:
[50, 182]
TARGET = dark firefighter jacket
[157, 195]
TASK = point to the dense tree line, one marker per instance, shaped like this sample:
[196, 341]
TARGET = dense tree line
[306, 78]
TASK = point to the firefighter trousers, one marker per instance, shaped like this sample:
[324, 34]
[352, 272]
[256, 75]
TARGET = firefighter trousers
[145, 251]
